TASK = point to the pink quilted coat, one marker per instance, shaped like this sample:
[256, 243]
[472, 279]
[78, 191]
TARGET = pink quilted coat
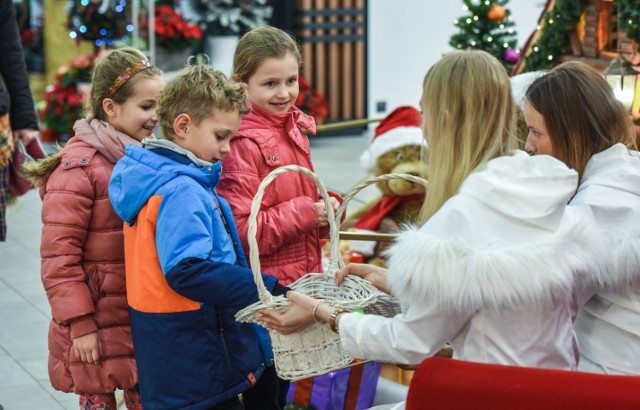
[83, 273]
[288, 234]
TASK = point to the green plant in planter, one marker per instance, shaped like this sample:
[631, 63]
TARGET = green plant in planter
[229, 17]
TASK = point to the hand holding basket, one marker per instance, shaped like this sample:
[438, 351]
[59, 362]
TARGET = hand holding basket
[316, 350]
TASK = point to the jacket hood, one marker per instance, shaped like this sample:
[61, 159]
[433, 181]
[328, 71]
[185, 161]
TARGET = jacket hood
[533, 189]
[75, 153]
[616, 169]
[37, 171]
[142, 172]
[611, 189]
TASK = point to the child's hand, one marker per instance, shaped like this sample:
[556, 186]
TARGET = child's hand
[87, 348]
[321, 210]
[376, 275]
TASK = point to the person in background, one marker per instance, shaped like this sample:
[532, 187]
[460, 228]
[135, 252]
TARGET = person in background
[187, 275]
[17, 101]
[293, 218]
[494, 267]
[573, 115]
[82, 246]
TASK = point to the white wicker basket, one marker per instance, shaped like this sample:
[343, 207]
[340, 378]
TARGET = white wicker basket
[316, 350]
[385, 305]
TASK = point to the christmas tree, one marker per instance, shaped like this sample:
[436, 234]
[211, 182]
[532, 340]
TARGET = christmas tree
[487, 26]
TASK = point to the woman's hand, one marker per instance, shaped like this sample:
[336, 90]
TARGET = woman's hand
[26, 135]
[376, 275]
[298, 317]
[87, 348]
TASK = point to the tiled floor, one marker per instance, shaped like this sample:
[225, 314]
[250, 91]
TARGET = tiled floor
[24, 309]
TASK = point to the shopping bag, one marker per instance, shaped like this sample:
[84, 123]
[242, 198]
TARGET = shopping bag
[352, 388]
[18, 183]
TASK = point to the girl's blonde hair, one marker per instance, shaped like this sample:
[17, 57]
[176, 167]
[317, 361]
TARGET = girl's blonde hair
[105, 73]
[580, 112]
[259, 44]
[469, 117]
[196, 91]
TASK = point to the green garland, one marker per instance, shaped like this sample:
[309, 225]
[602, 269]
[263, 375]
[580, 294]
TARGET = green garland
[565, 15]
[629, 17]
[558, 23]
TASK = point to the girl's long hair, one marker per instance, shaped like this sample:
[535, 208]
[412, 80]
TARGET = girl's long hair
[469, 117]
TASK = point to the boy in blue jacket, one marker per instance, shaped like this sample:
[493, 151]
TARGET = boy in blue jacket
[185, 268]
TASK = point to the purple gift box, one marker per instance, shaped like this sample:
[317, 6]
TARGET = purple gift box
[352, 388]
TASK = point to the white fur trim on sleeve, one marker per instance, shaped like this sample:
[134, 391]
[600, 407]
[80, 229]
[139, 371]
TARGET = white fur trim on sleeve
[622, 260]
[456, 277]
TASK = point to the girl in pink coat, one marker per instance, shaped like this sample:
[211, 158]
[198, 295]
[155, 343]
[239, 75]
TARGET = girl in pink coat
[293, 218]
[82, 248]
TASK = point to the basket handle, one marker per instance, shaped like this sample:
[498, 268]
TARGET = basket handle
[359, 187]
[254, 257]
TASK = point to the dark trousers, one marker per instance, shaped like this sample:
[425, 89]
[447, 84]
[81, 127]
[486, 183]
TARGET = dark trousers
[269, 393]
[233, 403]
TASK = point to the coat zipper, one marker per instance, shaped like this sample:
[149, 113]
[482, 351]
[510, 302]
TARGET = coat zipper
[224, 343]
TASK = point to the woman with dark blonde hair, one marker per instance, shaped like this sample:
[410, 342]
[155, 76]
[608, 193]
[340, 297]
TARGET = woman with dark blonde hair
[574, 116]
[493, 267]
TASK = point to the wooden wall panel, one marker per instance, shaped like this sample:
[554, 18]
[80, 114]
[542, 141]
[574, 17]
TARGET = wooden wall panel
[333, 44]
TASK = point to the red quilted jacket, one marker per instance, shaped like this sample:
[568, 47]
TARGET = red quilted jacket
[83, 273]
[288, 234]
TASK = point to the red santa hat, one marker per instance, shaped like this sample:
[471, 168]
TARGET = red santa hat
[400, 128]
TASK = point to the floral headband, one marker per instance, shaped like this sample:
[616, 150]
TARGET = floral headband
[127, 74]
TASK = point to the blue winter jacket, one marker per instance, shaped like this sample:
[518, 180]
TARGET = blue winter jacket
[186, 278]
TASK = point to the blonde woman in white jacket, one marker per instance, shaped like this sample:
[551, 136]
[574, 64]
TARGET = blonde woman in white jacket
[573, 115]
[493, 270]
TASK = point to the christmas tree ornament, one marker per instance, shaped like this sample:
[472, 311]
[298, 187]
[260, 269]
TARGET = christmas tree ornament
[480, 29]
[511, 56]
[497, 13]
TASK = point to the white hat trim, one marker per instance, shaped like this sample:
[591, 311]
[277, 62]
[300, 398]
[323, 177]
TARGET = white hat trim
[392, 139]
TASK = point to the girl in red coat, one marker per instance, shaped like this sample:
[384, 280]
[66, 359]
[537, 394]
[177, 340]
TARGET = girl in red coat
[82, 248]
[271, 136]
[292, 218]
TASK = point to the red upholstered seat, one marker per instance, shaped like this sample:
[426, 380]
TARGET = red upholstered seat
[441, 383]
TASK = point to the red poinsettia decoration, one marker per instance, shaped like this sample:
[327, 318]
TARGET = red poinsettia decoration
[173, 32]
[312, 102]
[64, 100]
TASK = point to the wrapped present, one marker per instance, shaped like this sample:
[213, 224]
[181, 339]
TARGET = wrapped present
[352, 388]
[395, 374]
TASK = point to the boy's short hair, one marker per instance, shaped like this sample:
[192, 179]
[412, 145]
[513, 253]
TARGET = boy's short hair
[196, 91]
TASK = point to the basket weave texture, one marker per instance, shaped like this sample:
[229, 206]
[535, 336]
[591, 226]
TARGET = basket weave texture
[317, 349]
[385, 305]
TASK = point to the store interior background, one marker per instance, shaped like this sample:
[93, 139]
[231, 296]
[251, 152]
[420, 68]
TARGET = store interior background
[404, 39]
